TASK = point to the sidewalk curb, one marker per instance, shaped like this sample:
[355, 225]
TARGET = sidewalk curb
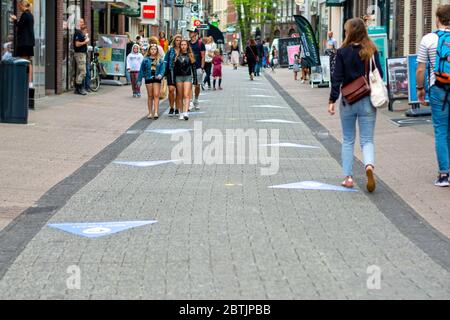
[402, 216]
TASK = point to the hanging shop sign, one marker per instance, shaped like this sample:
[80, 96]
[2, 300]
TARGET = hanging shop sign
[150, 12]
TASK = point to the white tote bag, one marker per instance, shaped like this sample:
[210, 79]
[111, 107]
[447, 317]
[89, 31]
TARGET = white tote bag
[378, 92]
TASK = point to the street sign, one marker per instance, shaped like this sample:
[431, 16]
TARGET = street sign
[179, 3]
[182, 24]
[197, 23]
[194, 8]
[203, 26]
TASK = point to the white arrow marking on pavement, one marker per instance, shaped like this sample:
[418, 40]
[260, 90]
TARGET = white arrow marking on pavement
[145, 163]
[312, 185]
[288, 144]
[168, 131]
[277, 121]
[268, 106]
[261, 96]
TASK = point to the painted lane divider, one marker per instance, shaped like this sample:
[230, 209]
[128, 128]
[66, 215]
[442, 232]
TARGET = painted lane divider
[98, 229]
[312, 185]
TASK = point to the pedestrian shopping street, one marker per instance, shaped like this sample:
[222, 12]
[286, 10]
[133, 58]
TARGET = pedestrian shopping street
[207, 231]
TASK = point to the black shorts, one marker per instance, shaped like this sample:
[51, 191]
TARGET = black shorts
[25, 51]
[170, 80]
[150, 81]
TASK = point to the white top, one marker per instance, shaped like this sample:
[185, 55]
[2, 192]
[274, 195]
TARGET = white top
[427, 53]
[134, 61]
[210, 47]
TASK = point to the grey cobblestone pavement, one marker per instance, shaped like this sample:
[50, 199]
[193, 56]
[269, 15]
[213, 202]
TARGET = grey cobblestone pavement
[221, 232]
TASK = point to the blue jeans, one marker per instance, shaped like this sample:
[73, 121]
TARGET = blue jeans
[258, 67]
[87, 79]
[366, 114]
[440, 117]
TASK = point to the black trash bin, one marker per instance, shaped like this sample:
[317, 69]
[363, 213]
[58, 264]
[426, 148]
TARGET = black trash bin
[14, 90]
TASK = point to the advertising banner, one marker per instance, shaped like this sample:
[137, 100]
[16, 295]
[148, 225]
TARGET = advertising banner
[112, 53]
[379, 37]
[412, 92]
[150, 12]
[397, 77]
[292, 51]
[325, 64]
[308, 41]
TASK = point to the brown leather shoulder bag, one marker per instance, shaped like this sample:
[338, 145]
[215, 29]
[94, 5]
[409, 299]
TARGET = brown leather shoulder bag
[357, 89]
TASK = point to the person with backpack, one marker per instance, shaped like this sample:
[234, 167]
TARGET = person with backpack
[434, 50]
[353, 61]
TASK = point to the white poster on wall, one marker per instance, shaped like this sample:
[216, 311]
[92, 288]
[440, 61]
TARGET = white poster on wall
[325, 64]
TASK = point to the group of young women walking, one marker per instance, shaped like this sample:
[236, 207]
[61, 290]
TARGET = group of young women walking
[178, 66]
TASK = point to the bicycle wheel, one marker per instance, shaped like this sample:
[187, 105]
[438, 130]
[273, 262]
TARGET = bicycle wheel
[95, 77]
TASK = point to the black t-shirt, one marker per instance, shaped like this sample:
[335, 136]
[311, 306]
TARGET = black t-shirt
[197, 48]
[79, 36]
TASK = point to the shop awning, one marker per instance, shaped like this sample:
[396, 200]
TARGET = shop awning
[127, 12]
[334, 3]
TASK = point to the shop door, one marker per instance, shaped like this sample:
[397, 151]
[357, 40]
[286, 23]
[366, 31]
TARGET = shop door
[39, 49]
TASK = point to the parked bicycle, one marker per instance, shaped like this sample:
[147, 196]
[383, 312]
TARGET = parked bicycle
[96, 71]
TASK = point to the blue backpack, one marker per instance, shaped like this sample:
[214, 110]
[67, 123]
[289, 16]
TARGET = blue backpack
[442, 65]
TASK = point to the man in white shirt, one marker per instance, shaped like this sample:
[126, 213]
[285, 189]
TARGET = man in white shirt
[439, 94]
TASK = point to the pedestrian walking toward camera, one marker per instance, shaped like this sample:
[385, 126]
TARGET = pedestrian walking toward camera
[274, 62]
[432, 50]
[152, 69]
[170, 66]
[199, 51]
[217, 69]
[296, 66]
[134, 62]
[352, 68]
[235, 54]
[185, 76]
[251, 54]
[210, 47]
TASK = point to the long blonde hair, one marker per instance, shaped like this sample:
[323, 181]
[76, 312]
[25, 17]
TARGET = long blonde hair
[356, 33]
[148, 54]
[175, 37]
[189, 51]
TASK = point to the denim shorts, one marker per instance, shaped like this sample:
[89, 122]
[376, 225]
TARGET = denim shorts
[179, 79]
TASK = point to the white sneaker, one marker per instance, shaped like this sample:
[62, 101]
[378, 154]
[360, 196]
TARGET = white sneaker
[196, 107]
[185, 116]
[180, 117]
[191, 106]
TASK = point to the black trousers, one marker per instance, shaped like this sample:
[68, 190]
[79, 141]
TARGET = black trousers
[208, 66]
[251, 67]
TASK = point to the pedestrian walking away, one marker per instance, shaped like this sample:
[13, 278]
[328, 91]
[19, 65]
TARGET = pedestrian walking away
[199, 51]
[217, 69]
[352, 63]
[80, 42]
[25, 36]
[210, 47]
[251, 54]
[134, 62]
[306, 72]
[432, 50]
[152, 69]
[296, 66]
[235, 54]
[185, 76]
[170, 65]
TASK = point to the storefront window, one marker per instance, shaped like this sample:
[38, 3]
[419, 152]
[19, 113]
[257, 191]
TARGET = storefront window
[324, 25]
[6, 29]
[72, 13]
[38, 8]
